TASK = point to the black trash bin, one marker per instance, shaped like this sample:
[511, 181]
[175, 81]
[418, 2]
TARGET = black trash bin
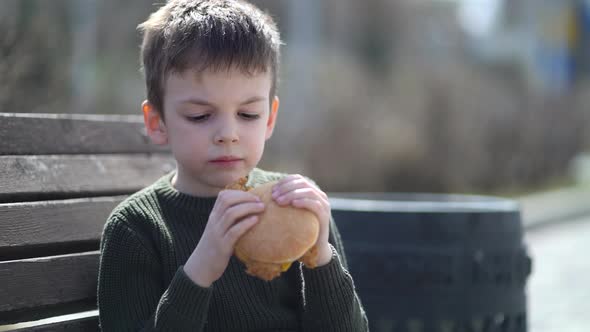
[436, 263]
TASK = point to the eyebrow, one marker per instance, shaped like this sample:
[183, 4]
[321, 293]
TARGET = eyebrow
[203, 102]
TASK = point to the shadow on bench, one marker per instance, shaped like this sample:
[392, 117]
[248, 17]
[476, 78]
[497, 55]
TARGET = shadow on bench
[60, 177]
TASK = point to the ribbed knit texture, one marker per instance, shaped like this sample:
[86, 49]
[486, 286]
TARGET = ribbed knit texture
[142, 285]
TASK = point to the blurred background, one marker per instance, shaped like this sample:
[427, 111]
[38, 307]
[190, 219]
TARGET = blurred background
[473, 96]
[479, 96]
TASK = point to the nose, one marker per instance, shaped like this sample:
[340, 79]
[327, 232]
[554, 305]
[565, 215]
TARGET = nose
[226, 133]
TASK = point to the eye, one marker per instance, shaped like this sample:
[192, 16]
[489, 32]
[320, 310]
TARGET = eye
[198, 118]
[249, 116]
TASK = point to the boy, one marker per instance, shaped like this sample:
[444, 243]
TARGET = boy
[166, 253]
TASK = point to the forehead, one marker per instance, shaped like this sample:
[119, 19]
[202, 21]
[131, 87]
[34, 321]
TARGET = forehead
[217, 85]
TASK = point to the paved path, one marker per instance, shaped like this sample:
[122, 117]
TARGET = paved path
[559, 288]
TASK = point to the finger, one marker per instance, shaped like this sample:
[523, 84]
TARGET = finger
[228, 198]
[289, 178]
[291, 182]
[287, 198]
[240, 211]
[281, 189]
[313, 205]
[237, 230]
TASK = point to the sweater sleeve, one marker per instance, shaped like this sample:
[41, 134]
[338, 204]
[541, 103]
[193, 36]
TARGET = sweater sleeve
[331, 302]
[131, 293]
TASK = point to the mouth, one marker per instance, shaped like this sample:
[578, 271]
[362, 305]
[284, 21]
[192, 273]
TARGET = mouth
[226, 160]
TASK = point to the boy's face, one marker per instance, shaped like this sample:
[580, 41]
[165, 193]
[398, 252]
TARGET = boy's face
[216, 124]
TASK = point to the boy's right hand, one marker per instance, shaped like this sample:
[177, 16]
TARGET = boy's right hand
[231, 217]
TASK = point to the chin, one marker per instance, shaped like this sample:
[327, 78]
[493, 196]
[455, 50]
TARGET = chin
[227, 178]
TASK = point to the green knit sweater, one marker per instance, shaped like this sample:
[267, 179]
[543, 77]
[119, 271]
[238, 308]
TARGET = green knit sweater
[142, 285]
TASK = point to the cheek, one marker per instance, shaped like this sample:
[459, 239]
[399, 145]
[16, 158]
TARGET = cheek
[187, 140]
[256, 142]
[261, 136]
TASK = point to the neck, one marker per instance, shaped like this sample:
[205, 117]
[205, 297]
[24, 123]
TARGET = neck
[183, 184]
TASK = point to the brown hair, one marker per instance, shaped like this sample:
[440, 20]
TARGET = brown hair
[207, 35]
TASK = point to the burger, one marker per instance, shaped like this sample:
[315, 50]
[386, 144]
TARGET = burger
[283, 235]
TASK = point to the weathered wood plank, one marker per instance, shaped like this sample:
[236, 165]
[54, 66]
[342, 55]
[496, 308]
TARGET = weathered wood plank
[37, 282]
[35, 134]
[27, 178]
[87, 323]
[50, 223]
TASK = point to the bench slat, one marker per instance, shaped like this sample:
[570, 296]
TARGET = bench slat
[44, 228]
[60, 324]
[37, 282]
[28, 178]
[35, 134]
[55, 171]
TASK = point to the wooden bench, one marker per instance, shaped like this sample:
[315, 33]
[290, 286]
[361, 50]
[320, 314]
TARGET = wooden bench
[60, 177]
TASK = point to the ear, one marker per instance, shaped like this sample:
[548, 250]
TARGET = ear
[272, 118]
[154, 124]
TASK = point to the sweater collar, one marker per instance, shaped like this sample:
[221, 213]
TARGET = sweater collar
[165, 190]
[202, 205]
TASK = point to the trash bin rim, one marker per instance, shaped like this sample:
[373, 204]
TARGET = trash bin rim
[419, 202]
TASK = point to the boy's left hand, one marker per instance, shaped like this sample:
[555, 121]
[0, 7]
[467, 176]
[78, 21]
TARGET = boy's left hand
[301, 193]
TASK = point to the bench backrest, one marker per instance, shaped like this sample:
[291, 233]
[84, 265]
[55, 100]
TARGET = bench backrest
[60, 177]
